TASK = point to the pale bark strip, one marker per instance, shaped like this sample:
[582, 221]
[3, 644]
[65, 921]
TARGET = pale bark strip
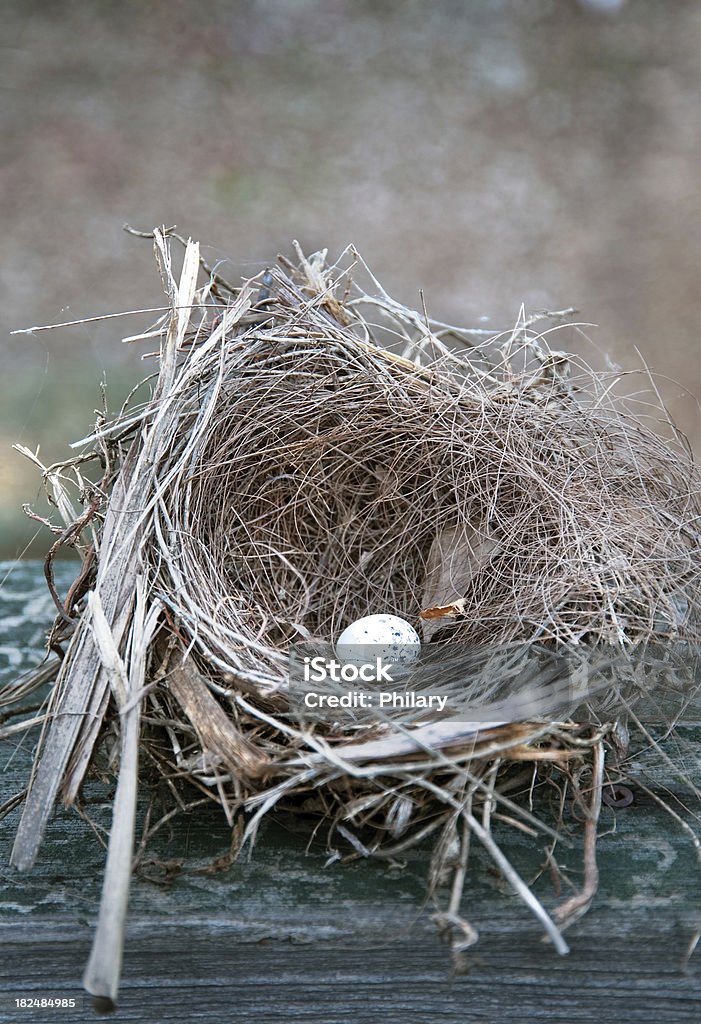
[103, 970]
[82, 682]
[82, 751]
[109, 653]
[60, 739]
[82, 673]
[434, 735]
[104, 967]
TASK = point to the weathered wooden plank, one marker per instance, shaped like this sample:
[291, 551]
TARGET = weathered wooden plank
[377, 963]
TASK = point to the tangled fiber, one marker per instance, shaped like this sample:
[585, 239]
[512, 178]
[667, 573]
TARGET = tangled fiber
[297, 466]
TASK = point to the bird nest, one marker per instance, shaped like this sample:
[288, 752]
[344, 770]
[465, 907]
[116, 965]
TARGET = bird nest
[311, 452]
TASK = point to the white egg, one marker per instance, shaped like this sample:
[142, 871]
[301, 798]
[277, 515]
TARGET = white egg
[386, 636]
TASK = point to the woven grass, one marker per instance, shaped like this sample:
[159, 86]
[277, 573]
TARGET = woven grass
[312, 452]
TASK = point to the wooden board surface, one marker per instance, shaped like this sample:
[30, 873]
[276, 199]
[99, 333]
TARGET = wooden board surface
[283, 938]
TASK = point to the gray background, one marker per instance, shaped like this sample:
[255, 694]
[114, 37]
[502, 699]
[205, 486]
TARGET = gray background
[491, 153]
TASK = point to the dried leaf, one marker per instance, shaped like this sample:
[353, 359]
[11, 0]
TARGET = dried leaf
[443, 611]
[455, 558]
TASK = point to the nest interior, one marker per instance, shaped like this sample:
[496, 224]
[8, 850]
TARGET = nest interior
[312, 452]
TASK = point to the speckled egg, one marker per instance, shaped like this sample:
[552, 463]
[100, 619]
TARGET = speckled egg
[386, 636]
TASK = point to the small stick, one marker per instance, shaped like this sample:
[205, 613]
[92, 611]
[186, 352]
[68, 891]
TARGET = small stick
[104, 967]
[577, 905]
[67, 535]
[102, 973]
[467, 934]
[507, 869]
[514, 879]
[115, 316]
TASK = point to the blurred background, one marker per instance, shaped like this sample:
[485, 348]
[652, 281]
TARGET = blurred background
[490, 153]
